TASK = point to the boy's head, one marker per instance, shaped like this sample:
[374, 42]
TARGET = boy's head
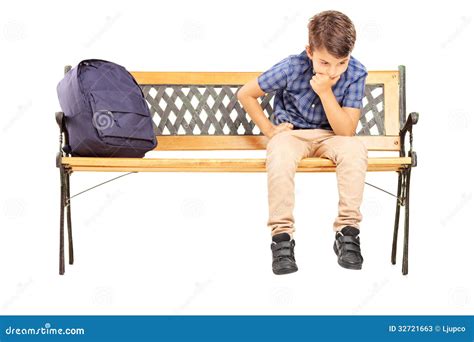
[332, 36]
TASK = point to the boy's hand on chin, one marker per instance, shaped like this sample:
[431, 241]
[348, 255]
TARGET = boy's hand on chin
[322, 83]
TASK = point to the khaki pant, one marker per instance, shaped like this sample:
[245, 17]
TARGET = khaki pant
[284, 152]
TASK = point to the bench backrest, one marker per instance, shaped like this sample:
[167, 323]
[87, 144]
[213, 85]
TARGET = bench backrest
[200, 110]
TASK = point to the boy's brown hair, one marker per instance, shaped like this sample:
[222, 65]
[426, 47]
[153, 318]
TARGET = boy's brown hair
[333, 31]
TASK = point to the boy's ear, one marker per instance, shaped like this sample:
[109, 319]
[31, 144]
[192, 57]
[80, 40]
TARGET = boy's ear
[309, 53]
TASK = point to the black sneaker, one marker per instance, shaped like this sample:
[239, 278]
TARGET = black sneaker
[283, 249]
[347, 248]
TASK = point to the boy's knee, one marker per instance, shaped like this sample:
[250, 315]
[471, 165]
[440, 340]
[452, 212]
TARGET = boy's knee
[358, 147]
[280, 143]
[279, 139]
[281, 151]
[353, 148]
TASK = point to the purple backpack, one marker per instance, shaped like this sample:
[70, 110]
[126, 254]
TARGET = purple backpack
[105, 112]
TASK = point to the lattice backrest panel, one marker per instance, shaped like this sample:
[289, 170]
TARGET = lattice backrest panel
[215, 110]
[372, 118]
[205, 103]
[201, 110]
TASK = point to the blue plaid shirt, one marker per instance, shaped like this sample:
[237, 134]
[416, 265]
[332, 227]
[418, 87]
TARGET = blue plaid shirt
[295, 100]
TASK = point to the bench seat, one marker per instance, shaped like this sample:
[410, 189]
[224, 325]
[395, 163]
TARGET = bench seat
[216, 164]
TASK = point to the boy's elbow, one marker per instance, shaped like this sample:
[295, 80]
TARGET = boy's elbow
[345, 133]
[239, 94]
[349, 134]
[242, 96]
[250, 90]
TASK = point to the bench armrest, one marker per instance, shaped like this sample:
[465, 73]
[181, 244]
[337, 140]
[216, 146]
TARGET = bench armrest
[408, 127]
[60, 120]
[64, 149]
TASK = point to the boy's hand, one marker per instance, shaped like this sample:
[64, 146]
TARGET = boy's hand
[322, 83]
[284, 126]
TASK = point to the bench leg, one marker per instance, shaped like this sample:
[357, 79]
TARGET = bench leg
[61, 219]
[407, 222]
[397, 219]
[69, 221]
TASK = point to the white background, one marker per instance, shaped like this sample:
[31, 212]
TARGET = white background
[164, 243]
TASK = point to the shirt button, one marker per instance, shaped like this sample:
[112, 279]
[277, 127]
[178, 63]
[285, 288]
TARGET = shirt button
[312, 105]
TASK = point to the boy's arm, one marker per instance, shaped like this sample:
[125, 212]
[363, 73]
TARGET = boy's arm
[343, 120]
[248, 96]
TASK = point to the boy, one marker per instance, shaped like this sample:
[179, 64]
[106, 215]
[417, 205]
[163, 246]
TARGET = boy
[318, 98]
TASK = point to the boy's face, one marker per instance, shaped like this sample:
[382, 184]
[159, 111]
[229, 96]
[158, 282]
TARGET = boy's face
[325, 63]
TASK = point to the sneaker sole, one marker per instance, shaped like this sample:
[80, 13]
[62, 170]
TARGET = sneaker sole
[285, 270]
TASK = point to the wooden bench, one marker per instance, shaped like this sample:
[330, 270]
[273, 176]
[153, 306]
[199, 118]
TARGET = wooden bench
[200, 111]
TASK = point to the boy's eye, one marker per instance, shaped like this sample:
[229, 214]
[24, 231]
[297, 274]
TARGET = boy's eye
[341, 63]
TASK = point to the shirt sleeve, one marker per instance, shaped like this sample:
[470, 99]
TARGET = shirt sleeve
[276, 77]
[354, 93]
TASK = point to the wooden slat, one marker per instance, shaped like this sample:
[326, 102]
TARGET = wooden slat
[390, 80]
[192, 78]
[236, 170]
[215, 164]
[248, 142]
[231, 78]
